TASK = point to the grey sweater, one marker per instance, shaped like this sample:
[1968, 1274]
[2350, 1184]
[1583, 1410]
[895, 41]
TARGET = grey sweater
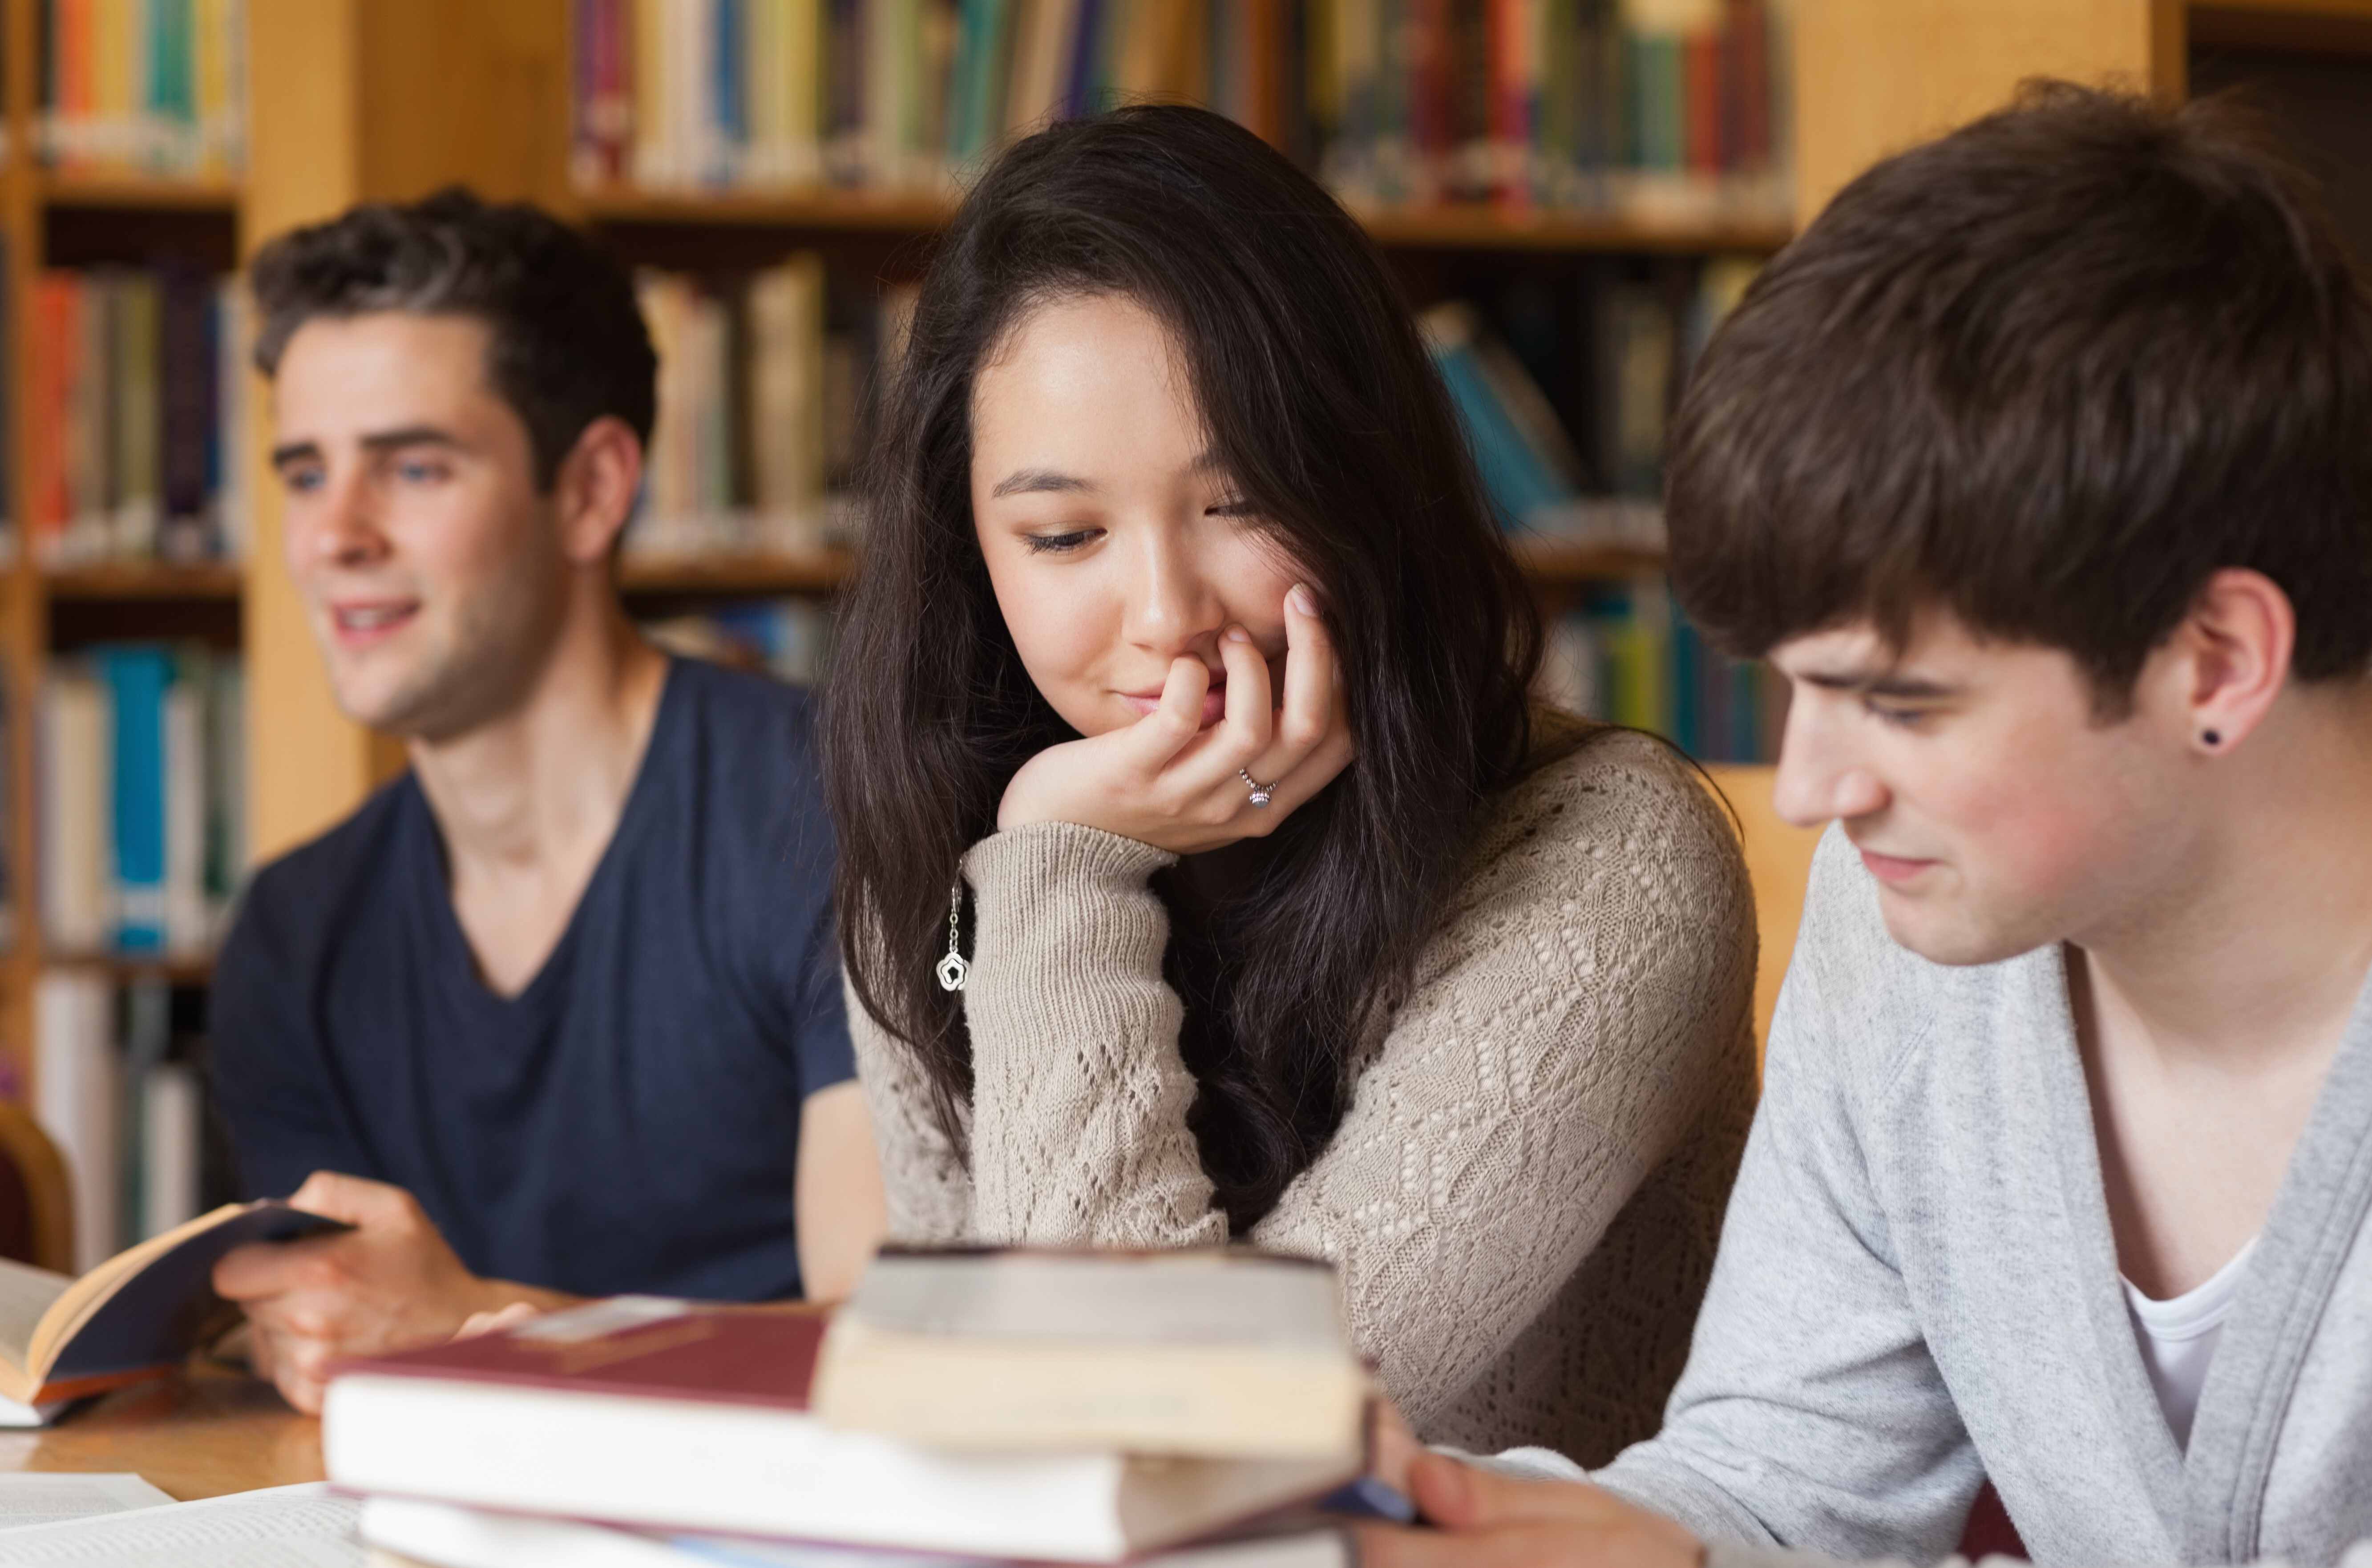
[1917, 1288]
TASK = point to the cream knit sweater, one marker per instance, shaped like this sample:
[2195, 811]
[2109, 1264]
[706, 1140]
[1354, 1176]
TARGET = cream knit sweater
[1524, 1196]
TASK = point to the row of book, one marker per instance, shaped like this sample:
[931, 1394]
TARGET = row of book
[768, 388]
[1661, 106]
[1622, 363]
[139, 799]
[961, 1408]
[119, 1085]
[788, 638]
[1629, 655]
[1670, 109]
[137, 410]
[151, 89]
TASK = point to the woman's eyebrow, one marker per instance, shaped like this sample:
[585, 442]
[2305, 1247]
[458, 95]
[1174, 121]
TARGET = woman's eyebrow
[1036, 482]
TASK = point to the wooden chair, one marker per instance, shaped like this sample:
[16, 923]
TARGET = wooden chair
[36, 1201]
[1779, 862]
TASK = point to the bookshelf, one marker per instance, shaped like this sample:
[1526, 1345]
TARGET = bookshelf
[355, 99]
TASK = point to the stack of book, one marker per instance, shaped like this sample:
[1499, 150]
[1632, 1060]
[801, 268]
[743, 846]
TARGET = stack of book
[137, 401]
[768, 390]
[1666, 106]
[152, 88]
[970, 1405]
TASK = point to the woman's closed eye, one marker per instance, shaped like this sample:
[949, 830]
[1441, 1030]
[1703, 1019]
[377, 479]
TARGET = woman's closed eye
[1054, 543]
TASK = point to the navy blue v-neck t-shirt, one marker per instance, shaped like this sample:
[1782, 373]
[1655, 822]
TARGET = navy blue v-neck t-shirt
[629, 1121]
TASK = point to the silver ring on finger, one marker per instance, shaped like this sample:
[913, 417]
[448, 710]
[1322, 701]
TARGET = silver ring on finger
[1262, 793]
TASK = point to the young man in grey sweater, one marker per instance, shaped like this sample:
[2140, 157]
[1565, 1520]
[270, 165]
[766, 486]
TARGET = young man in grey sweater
[2042, 465]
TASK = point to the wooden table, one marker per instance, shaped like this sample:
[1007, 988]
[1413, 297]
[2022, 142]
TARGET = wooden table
[209, 1431]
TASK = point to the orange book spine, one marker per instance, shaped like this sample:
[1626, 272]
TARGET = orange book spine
[73, 86]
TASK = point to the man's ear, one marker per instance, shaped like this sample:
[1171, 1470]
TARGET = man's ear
[593, 494]
[2231, 657]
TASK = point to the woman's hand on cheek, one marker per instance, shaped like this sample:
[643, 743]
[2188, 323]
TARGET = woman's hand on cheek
[1167, 782]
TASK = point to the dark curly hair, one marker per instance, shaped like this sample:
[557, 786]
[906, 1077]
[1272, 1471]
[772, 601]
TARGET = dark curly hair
[1320, 401]
[567, 343]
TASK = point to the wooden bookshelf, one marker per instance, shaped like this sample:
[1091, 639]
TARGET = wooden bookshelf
[1474, 226]
[901, 213]
[1480, 226]
[370, 99]
[220, 197]
[736, 576]
[212, 583]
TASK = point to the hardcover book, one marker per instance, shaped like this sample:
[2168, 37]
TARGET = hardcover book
[138, 1314]
[670, 1414]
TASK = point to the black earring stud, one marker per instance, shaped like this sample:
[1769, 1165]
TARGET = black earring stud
[2210, 737]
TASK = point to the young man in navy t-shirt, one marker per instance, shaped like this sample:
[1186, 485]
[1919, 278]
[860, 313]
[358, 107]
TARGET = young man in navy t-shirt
[559, 1011]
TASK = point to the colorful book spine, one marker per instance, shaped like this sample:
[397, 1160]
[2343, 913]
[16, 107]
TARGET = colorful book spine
[789, 639]
[139, 803]
[1628, 656]
[752, 411]
[1666, 106]
[150, 88]
[136, 403]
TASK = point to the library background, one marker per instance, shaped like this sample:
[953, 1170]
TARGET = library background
[1572, 193]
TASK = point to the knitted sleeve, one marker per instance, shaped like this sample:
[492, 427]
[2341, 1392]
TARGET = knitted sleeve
[1595, 959]
[1568, 1023]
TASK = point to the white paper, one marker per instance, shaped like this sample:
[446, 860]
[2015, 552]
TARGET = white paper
[284, 1527]
[36, 1497]
[16, 1414]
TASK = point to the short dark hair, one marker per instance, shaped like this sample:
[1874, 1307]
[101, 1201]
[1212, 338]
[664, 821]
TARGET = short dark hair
[2050, 373]
[567, 343]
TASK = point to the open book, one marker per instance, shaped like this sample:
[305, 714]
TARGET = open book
[136, 1315]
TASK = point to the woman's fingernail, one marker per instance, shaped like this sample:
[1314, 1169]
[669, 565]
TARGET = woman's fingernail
[1237, 635]
[1301, 600]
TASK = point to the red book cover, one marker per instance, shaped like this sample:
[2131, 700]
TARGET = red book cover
[1261, 49]
[704, 1353]
[1511, 101]
[57, 334]
[1749, 84]
[1701, 95]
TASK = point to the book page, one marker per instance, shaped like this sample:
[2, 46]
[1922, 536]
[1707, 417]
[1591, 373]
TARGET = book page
[284, 1526]
[25, 1293]
[35, 1497]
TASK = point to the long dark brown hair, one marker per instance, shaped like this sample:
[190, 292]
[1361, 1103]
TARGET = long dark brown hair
[1319, 398]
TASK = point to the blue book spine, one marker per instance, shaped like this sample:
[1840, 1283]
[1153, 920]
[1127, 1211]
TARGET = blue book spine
[138, 677]
[1744, 701]
[1688, 656]
[725, 76]
[1081, 85]
[1513, 474]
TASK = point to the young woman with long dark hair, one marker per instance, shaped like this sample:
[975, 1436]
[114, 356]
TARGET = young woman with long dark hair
[1205, 872]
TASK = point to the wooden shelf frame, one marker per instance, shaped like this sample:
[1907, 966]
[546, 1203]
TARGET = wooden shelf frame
[121, 581]
[128, 192]
[1465, 226]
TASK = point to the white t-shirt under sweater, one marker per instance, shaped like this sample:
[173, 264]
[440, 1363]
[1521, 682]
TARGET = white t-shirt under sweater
[2179, 1337]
